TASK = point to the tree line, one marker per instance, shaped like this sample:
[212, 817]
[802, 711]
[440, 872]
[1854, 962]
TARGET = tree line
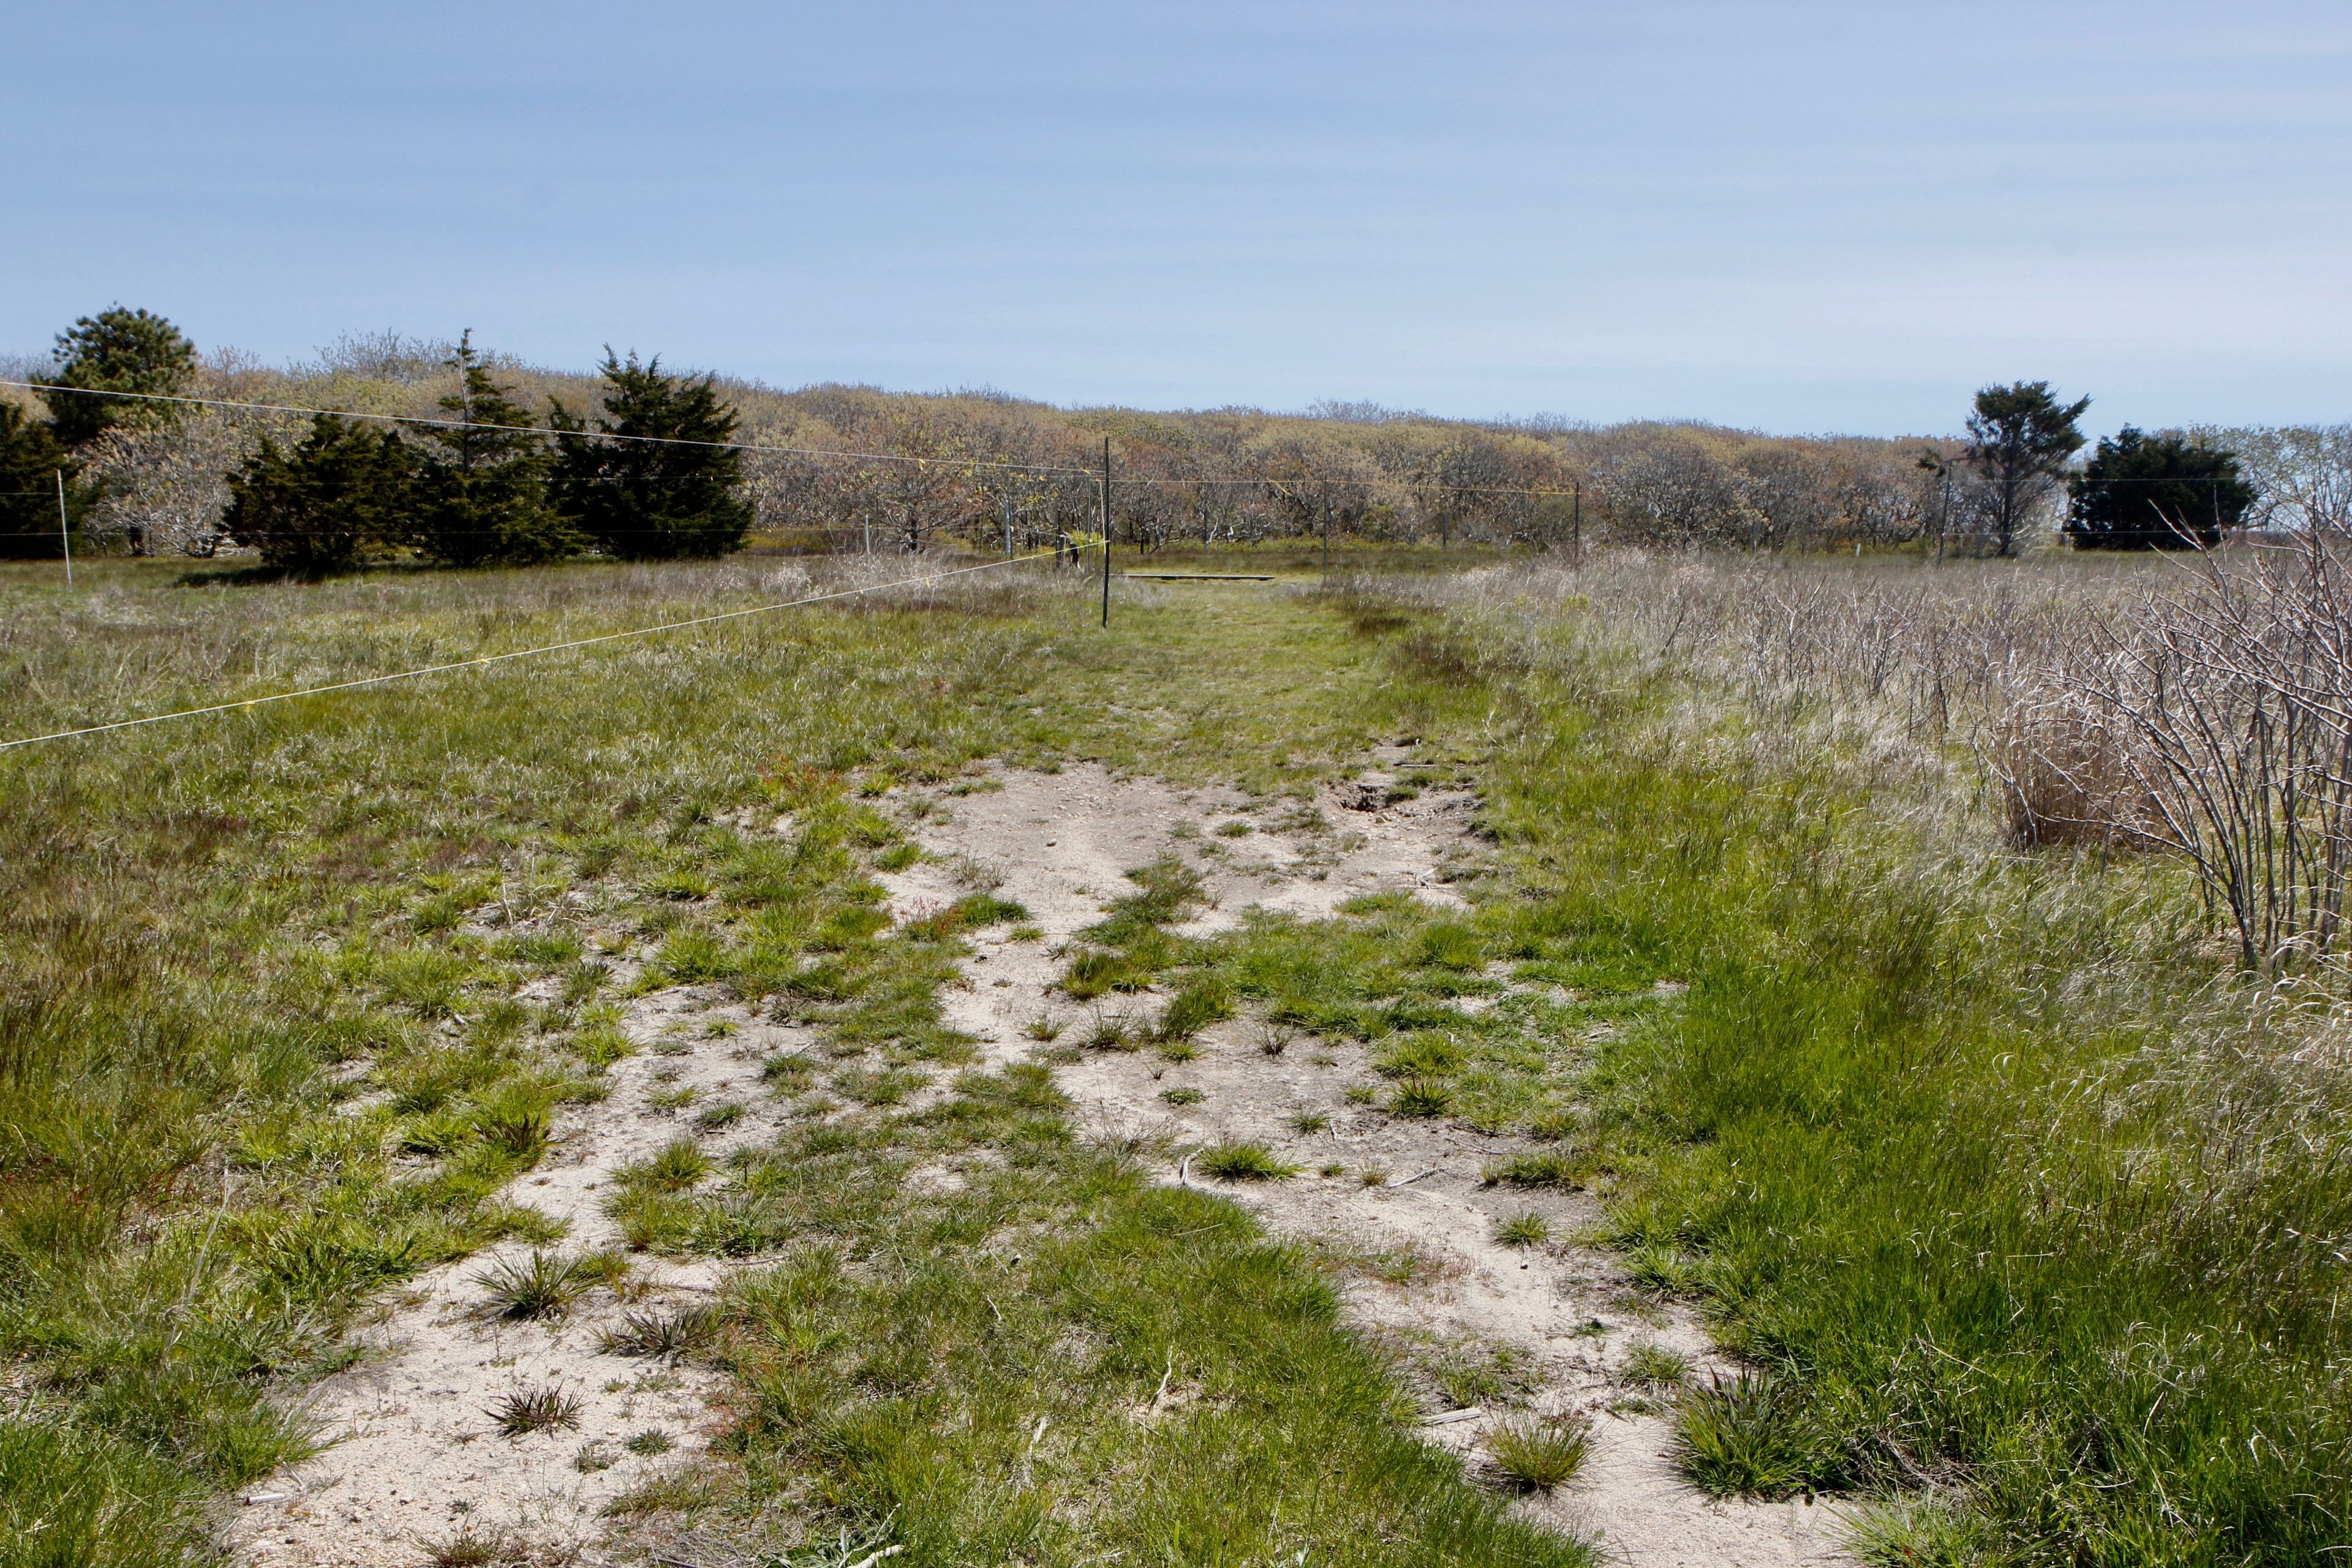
[653, 477]
[480, 460]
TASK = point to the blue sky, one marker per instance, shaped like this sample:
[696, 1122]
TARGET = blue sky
[1799, 218]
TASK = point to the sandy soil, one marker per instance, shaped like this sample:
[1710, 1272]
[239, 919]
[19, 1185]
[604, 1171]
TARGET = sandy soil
[1060, 843]
[416, 1458]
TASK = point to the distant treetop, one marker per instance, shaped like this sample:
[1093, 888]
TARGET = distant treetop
[2156, 492]
[121, 351]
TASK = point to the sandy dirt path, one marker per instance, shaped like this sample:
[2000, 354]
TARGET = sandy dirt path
[1060, 844]
[415, 1461]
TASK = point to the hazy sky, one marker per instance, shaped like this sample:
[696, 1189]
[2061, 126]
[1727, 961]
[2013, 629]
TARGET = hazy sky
[1794, 217]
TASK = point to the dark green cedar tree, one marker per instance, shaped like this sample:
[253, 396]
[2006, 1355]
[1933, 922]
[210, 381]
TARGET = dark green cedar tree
[480, 495]
[2020, 437]
[2155, 492]
[339, 498]
[31, 458]
[645, 500]
[117, 351]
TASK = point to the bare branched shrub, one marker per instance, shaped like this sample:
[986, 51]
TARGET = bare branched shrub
[2231, 699]
[2201, 707]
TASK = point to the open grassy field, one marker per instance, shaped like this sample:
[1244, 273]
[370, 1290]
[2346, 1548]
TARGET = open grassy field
[2027, 1218]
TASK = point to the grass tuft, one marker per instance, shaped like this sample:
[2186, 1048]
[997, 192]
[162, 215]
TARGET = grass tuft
[1242, 1162]
[1200, 1002]
[547, 1408]
[1750, 1436]
[471, 1548]
[1539, 1452]
[1095, 973]
[680, 1164]
[1542, 1168]
[1420, 1097]
[1655, 1366]
[1526, 1228]
[538, 1285]
[668, 1336]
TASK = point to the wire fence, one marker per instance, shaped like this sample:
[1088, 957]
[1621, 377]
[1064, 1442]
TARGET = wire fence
[483, 661]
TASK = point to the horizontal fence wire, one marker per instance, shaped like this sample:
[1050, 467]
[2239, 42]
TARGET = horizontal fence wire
[483, 661]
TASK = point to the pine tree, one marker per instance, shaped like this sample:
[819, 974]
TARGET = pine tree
[645, 499]
[31, 458]
[481, 490]
[2155, 492]
[339, 498]
[2020, 437]
[117, 351]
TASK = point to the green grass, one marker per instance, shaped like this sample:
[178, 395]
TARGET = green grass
[1752, 1436]
[1655, 1366]
[541, 1285]
[1976, 1156]
[899, 1367]
[1200, 1002]
[1420, 1097]
[1526, 1228]
[1973, 1156]
[678, 1164]
[1539, 1452]
[1242, 1162]
[218, 933]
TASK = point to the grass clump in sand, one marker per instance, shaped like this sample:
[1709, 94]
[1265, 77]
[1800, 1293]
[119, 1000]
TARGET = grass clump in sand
[1750, 1436]
[1539, 1452]
[525, 1411]
[1242, 1162]
[1526, 1229]
[537, 1285]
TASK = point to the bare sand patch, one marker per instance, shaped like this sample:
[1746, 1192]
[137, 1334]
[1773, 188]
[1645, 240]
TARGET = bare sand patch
[415, 1455]
[1060, 845]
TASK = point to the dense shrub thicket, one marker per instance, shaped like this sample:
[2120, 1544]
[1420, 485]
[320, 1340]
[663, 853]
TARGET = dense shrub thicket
[479, 482]
[480, 486]
[45, 463]
[835, 466]
[2156, 492]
